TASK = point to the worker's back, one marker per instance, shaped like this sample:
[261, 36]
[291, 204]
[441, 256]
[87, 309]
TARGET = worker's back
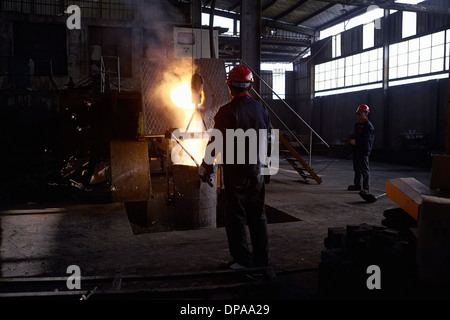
[243, 117]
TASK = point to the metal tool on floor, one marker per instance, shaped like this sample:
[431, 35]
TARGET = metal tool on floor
[88, 294]
[370, 197]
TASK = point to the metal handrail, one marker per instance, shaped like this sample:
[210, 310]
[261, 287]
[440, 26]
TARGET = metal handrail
[103, 72]
[298, 116]
[286, 127]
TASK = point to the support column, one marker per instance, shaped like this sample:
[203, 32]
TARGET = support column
[386, 106]
[251, 37]
[211, 30]
[447, 139]
[313, 110]
[196, 13]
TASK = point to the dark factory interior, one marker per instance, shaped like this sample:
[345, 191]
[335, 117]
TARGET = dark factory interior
[100, 200]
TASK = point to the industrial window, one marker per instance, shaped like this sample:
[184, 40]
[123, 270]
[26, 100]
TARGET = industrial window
[359, 69]
[336, 46]
[279, 81]
[326, 75]
[409, 24]
[447, 49]
[418, 56]
[222, 22]
[369, 35]
[418, 59]
[278, 77]
[369, 15]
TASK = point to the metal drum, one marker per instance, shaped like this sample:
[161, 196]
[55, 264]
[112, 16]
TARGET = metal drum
[195, 201]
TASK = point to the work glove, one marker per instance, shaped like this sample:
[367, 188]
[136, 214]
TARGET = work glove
[205, 172]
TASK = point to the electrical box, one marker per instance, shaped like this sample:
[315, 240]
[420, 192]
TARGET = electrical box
[194, 43]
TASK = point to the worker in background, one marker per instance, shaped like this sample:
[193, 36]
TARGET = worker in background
[362, 143]
[244, 184]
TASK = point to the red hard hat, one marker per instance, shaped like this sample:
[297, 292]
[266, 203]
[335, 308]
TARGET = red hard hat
[240, 74]
[363, 108]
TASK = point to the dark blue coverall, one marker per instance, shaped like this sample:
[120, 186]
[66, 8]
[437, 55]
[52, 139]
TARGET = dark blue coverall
[244, 184]
[364, 135]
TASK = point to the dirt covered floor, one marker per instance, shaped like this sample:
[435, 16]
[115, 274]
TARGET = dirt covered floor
[41, 239]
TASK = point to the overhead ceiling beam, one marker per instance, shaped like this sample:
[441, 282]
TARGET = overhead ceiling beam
[234, 6]
[287, 52]
[271, 3]
[347, 2]
[288, 43]
[271, 41]
[350, 14]
[383, 4]
[283, 52]
[413, 7]
[266, 21]
[390, 4]
[289, 10]
[276, 58]
[221, 13]
[315, 13]
[288, 26]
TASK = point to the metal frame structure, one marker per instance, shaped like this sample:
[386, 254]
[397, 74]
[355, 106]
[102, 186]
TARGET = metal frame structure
[104, 72]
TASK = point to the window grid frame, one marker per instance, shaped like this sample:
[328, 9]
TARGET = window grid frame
[352, 71]
[404, 59]
[397, 60]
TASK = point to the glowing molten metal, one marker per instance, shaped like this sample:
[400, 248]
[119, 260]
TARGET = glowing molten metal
[181, 96]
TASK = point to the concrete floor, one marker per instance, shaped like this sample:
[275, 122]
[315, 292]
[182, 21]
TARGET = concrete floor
[43, 239]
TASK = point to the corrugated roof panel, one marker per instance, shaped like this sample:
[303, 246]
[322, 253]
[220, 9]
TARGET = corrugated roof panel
[304, 10]
[226, 5]
[317, 13]
[328, 15]
[277, 8]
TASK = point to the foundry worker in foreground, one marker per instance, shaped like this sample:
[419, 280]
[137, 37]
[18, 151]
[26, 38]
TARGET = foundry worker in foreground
[244, 184]
[362, 143]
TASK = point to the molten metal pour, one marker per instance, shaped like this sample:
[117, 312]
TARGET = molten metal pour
[196, 93]
[209, 181]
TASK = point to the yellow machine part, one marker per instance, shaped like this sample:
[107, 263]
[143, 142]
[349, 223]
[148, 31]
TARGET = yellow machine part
[407, 194]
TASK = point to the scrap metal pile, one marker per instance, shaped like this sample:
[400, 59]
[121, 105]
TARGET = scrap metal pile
[351, 250]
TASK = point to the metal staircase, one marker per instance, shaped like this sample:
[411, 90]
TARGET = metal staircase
[289, 153]
[297, 162]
